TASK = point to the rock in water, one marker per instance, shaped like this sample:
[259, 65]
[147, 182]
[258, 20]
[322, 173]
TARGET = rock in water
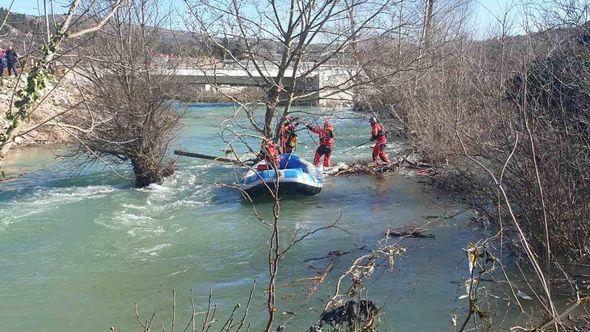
[351, 313]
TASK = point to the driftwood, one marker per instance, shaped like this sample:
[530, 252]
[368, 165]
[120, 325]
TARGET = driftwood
[207, 157]
[319, 278]
[331, 254]
[408, 232]
[364, 168]
[373, 168]
[414, 234]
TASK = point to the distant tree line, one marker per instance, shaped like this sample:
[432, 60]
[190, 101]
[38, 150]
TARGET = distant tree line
[21, 22]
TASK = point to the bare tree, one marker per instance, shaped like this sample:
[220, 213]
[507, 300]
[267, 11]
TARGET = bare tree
[506, 120]
[76, 23]
[130, 113]
[287, 44]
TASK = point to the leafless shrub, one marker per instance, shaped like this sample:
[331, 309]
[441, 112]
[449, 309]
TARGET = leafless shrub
[202, 321]
[130, 115]
[506, 119]
[78, 22]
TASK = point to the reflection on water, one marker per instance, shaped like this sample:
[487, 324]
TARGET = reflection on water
[79, 250]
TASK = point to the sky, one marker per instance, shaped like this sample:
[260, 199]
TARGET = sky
[485, 11]
[23, 6]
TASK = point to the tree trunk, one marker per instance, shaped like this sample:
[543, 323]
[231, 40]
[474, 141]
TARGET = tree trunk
[427, 28]
[272, 100]
[147, 171]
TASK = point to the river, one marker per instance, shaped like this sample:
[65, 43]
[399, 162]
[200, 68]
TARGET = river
[80, 247]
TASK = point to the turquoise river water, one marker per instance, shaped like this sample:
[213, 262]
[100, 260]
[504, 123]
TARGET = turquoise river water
[80, 247]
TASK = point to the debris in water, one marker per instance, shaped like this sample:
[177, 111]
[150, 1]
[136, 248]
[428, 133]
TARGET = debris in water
[320, 276]
[413, 232]
[331, 254]
[4, 178]
[363, 168]
[350, 314]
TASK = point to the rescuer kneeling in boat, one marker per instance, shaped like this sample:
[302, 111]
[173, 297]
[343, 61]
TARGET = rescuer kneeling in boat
[270, 150]
[379, 135]
[288, 135]
[326, 135]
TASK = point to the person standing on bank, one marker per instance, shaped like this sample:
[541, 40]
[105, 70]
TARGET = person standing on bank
[2, 62]
[11, 60]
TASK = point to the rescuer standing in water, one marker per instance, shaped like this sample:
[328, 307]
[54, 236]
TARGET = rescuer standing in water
[270, 152]
[326, 136]
[288, 135]
[378, 135]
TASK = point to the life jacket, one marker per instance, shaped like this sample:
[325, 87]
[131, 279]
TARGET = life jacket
[379, 134]
[292, 141]
[326, 136]
[287, 131]
[271, 153]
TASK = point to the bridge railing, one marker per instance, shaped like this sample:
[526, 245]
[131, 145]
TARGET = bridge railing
[212, 64]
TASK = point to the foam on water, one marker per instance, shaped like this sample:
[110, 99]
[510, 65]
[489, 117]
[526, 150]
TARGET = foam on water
[43, 201]
[44, 197]
[155, 251]
[135, 225]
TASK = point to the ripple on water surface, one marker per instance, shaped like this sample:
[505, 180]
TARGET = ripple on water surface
[85, 248]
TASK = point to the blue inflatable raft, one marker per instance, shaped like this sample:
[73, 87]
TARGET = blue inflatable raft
[296, 176]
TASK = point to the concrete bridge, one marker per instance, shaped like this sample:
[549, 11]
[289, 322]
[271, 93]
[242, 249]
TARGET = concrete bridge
[323, 86]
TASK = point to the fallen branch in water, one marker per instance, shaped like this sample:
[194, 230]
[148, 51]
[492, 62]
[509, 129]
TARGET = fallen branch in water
[352, 309]
[331, 254]
[320, 276]
[318, 279]
[564, 314]
[408, 232]
[374, 168]
[364, 168]
[412, 234]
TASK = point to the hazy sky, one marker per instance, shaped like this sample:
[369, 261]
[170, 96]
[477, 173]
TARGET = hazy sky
[485, 10]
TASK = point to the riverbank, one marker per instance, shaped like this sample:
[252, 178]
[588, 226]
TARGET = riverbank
[61, 101]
